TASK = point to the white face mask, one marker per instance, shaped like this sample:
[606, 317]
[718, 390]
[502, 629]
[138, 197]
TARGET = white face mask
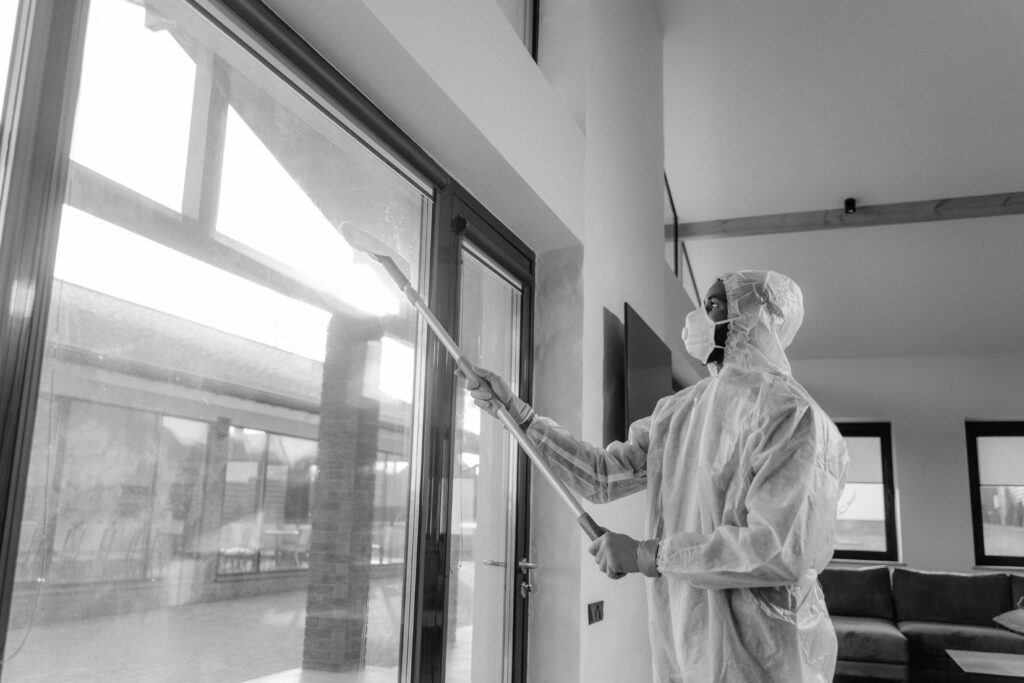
[699, 334]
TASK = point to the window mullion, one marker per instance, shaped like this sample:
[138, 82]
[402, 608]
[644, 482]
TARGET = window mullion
[125, 208]
[206, 142]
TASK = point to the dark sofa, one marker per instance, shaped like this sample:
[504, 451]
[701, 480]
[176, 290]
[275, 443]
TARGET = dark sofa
[896, 626]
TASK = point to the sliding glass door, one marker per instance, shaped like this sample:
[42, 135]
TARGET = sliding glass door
[484, 484]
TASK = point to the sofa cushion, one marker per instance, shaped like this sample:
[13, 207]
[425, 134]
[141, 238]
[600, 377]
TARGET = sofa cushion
[950, 598]
[1013, 620]
[931, 638]
[858, 592]
[860, 672]
[865, 639]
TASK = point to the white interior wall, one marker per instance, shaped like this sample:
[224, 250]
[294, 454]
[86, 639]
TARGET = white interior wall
[554, 629]
[623, 262]
[927, 399]
[788, 105]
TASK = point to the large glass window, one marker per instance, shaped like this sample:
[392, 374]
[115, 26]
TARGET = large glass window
[220, 485]
[995, 452]
[866, 520]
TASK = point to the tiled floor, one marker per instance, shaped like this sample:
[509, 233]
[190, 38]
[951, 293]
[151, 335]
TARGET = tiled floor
[232, 641]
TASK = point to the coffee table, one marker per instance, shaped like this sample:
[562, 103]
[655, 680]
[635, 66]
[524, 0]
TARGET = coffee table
[986, 667]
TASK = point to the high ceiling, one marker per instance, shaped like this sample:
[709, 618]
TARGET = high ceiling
[783, 106]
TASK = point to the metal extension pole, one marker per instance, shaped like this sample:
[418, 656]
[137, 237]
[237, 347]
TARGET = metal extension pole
[586, 522]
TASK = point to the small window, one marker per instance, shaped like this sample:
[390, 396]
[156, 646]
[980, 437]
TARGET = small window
[268, 485]
[866, 520]
[995, 464]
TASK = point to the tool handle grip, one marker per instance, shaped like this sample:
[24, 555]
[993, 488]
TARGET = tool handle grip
[467, 368]
[593, 530]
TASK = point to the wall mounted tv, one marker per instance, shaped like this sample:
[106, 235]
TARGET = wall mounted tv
[648, 368]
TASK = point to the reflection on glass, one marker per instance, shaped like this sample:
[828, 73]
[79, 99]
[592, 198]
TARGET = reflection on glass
[1001, 478]
[860, 522]
[219, 482]
[483, 491]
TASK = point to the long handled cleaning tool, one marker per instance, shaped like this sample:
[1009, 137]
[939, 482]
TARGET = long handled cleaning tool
[388, 260]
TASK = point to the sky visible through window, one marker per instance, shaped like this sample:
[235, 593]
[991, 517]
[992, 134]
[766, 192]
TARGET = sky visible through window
[134, 104]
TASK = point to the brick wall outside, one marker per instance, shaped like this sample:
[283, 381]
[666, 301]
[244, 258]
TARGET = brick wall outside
[342, 512]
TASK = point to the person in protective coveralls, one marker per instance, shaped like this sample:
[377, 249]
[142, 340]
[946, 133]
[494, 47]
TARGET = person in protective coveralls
[743, 472]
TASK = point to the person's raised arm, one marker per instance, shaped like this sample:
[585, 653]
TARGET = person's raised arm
[598, 474]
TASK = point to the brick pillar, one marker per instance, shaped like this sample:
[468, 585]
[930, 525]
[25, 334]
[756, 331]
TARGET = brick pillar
[342, 506]
[205, 550]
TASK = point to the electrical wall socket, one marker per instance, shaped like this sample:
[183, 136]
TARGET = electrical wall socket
[595, 612]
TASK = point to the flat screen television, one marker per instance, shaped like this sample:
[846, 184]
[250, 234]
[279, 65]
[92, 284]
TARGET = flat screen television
[648, 368]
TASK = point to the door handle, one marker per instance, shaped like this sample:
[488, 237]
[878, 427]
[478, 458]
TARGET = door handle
[493, 563]
[525, 586]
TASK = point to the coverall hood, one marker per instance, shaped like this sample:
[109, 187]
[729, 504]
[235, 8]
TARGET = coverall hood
[767, 309]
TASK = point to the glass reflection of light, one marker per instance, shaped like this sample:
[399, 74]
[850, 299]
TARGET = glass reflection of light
[396, 369]
[470, 460]
[470, 415]
[263, 207]
[390, 467]
[94, 254]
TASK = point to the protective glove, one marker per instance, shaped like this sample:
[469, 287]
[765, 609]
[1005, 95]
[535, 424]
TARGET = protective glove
[618, 554]
[492, 391]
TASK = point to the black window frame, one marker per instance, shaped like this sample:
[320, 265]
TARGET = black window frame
[882, 431]
[972, 430]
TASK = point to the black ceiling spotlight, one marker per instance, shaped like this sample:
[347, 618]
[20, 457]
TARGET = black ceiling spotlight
[850, 205]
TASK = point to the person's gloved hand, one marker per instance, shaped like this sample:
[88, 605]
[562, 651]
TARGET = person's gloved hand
[618, 554]
[615, 554]
[491, 391]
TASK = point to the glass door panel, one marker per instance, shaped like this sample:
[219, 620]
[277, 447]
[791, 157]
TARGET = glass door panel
[482, 562]
[220, 480]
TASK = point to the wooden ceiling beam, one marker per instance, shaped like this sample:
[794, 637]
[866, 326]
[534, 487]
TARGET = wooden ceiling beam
[955, 208]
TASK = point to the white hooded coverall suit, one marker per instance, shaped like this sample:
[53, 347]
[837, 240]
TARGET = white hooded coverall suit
[743, 473]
